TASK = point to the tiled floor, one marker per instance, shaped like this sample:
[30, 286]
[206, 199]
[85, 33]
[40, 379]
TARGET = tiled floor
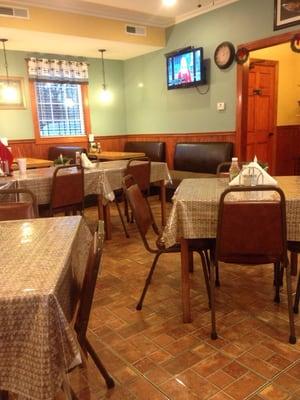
[152, 355]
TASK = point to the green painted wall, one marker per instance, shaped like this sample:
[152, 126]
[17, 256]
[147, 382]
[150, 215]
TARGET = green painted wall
[152, 108]
[105, 119]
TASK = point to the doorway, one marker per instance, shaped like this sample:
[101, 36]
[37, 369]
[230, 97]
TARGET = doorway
[262, 110]
[249, 140]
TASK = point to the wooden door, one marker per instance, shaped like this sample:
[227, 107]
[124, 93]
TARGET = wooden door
[262, 110]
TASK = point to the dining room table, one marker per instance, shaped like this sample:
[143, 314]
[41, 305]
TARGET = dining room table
[194, 215]
[102, 179]
[115, 155]
[42, 266]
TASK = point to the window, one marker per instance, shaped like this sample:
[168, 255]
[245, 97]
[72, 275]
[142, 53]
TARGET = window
[60, 111]
[59, 108]
[59, 98]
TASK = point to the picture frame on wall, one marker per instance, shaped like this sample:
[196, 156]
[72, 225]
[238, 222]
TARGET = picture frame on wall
[12, 93]
[286, 13]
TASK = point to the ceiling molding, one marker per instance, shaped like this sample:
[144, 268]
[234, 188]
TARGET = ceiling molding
[203, 10]
[121, 14]
[100, 11]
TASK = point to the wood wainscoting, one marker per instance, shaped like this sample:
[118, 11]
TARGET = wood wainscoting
[29, 148]
[288, 150]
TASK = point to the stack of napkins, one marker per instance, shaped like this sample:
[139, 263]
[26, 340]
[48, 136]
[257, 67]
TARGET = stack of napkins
[263, 178]
[86, 163]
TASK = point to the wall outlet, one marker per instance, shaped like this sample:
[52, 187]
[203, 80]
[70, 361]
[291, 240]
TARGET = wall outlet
[221, 106]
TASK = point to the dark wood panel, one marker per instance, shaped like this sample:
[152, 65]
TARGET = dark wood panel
[29, 148]
[288, 150]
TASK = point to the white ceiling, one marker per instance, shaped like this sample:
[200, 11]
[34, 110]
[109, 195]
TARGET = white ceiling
[142, 12]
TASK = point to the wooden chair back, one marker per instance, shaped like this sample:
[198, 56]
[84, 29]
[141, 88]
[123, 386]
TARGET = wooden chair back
[251, 230]
[19, 207]
[140, 208]
[67, 189]
[140, 169]
[89, 284]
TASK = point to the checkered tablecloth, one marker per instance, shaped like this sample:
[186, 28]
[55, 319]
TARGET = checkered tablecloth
[195, 208]
[42, 262]
[104, 179]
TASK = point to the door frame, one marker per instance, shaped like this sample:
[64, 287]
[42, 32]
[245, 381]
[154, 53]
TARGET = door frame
[242, 93]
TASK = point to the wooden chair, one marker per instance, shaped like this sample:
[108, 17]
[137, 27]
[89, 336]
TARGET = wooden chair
[18, 207]
[67, 194]
[252, 232]
[145, 221]
[294, 248]
[140, 169]
[86, 300]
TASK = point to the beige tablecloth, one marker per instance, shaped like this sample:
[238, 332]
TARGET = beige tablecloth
[104, 179]
[41, 262]
[195, 208]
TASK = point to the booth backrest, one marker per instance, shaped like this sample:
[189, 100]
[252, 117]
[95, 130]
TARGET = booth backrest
[65, 151]
[156, 151]
[201, 157]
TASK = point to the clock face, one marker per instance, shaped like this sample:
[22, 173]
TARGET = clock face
[224, 55]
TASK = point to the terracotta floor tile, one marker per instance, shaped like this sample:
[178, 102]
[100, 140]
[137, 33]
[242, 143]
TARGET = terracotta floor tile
[212, 364]
[204, 350]
[288, 382]
[220, 379]
[159, 356]
[143, 390]
[279, 362]
[181, 362]
[295, 370]
[244, 386]
[273, 392]
[144, 365]
[185, 343]
[201, 387]
[259, 366]
[235, 370]
[261, 352]
[158, 375]
[163, 340]
[176, 390]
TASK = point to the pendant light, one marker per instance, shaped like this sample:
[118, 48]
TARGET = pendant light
[9, 92]
[105, 94]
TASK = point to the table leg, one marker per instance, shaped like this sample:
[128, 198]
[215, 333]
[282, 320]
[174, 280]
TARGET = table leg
[294, 263]
[185, 280]
[163, 202]
[104, 213]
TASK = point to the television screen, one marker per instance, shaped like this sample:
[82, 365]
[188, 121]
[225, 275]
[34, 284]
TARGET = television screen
[185, 68]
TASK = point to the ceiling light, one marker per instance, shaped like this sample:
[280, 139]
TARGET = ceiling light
[8, 91]
[105, 94]
[169, 3]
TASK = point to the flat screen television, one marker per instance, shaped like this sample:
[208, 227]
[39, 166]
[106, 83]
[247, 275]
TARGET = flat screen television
[185, 68]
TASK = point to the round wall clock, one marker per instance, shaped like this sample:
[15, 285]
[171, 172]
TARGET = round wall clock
[224, 55]
[242, 55]
[295, 43]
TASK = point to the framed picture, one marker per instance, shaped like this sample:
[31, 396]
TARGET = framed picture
[286, 13]
[11, 93]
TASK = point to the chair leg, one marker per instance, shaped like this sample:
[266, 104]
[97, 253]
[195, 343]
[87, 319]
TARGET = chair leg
[3, 395]
[277, 279]
[217, 283]
[213, 334]
[296, 303]
[108, 379]
[206, 274]
[148, 281]
[191, 261]
[122, 219]
[292, 338]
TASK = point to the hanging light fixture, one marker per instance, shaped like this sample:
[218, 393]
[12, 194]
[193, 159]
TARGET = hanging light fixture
[105, 94]
[9, 92]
